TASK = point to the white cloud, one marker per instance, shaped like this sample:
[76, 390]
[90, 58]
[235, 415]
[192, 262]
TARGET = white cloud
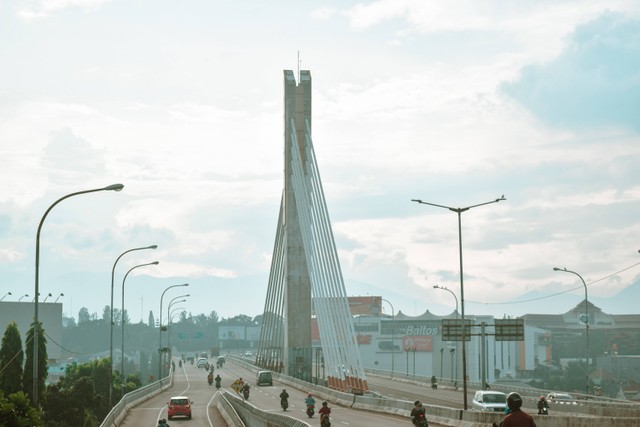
[44, 8]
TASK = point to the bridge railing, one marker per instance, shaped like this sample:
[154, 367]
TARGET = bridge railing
[119, 411]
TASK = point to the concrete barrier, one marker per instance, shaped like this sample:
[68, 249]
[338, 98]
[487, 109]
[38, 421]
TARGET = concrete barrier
[129, 400]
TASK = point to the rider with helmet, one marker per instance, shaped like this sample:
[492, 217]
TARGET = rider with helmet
[309, 400]
[517, 417]
[324, 412]
[543, 406]
[419, 414]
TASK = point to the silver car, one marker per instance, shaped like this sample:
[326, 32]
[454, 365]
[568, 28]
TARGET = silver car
[489, 401]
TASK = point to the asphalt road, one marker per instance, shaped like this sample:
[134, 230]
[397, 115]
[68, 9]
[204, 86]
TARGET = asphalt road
[192, 382]
[188, 381]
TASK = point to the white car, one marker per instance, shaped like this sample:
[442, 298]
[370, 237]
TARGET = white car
[561, 398]
[201, 362]
[489, 401]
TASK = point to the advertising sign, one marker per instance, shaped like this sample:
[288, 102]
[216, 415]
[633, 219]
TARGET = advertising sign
[417, 343]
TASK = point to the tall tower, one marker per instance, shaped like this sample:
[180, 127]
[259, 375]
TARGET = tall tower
[305, 277]
[297, 294]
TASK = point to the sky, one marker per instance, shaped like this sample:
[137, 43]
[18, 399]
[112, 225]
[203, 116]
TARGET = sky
[455, 104]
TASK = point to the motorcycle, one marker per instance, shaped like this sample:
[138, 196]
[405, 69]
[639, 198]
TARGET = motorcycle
[210, 379]
[543, 411]
[284, 403]
[218, 384]
[310, 410]
[420, 421]
[245, 391]
[325, 421]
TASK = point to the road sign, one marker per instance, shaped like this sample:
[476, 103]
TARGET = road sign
[509, 329]
[452, 330]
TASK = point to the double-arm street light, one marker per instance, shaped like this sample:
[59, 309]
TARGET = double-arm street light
[586, 319]
[160, 331]
[113, 272]
[444, 288]
[459, 212]
[113, 187]
[8, 293]
[122, 320]
[393, 336]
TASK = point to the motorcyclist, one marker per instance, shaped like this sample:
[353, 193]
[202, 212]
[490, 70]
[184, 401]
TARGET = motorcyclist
[324, 412]
[543, 406]
[245, 390]
[284, 399]
[210, 378]
[419, 414]
[311, 403]
[218, 381]
[434, 382]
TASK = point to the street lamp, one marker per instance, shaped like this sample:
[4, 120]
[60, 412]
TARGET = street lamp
[586, 318]
[8, 293]
[122, 321]
[113, 271]
[45, 298]
[444, 288]
[36, 327]
[58, 297]
[23, 296]
[393, 336]
[160, 331]
[173, 301]
[459, 212]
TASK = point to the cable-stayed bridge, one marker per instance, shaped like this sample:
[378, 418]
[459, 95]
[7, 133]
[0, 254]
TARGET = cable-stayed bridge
[306, 290]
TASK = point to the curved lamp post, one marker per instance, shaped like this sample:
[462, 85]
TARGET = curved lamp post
[122, 320]
[444, 288]
[173, 301]
[393, 336]
[23, 296]
[8, 293]
[113, 271]
[58, 297]
[113, 187]
[586, 320]
[45, 298]
[160, 331]
[459, 212]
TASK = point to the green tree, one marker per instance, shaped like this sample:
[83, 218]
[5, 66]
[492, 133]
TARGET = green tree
[106, 313]
[81, 397]
[11, 358]
[16, 411]
[27, 375]
[83, 315]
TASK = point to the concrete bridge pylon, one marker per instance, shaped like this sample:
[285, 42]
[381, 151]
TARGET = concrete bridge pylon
[306, 288]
